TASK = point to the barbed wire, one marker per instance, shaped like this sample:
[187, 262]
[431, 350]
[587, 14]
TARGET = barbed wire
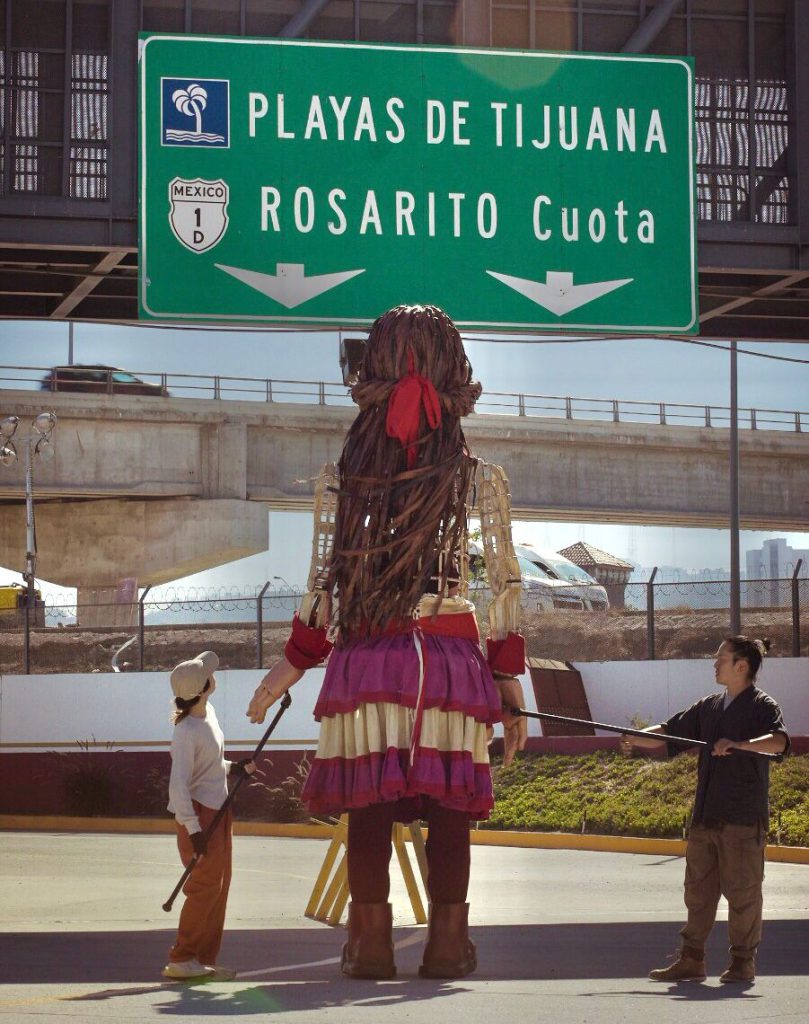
[190, 599]
[221, 604]
[221, 593]
[202, 604]
[196, 593]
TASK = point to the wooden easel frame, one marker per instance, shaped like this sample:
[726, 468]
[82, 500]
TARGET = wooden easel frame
[330, 892]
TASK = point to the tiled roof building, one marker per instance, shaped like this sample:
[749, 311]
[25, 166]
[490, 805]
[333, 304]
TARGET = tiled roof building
[610, 571]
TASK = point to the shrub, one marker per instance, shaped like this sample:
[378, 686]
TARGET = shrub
[612, 795]
[90, 778]
[282, 802]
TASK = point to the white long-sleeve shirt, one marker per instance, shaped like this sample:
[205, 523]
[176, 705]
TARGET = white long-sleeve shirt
[198, 768]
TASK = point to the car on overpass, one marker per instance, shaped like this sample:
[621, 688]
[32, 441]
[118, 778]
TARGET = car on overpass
[100, 380]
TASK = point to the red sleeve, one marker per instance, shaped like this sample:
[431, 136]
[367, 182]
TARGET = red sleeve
[307, 646]
[507, 656]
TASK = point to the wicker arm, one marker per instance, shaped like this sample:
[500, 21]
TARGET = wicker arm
[502, 567]
[316, 604]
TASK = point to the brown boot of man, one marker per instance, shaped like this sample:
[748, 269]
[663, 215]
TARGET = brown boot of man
[689, 966]
[740, 969]
[369, 950]
[449, 953]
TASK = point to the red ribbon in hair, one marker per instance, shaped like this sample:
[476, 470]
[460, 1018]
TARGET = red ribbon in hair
[411, 393]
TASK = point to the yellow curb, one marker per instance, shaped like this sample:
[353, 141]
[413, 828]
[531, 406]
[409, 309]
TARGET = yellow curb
[616, 844]
[575, 841]
[479, 837]
[296, 830]
[788, 854]
[60, 823]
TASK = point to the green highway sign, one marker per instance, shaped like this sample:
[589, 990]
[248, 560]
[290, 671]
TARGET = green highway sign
[308, 183]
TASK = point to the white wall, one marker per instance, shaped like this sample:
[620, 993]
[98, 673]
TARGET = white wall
[133, 710]
[655, 690]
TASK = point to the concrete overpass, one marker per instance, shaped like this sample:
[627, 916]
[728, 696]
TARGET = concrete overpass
[159, 488]
[69, 204]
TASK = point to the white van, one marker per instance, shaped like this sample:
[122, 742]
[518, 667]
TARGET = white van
[592, 595]
[541, 592]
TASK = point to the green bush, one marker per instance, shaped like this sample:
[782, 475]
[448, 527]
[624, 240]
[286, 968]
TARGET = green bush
[277, 803]
[609, 794]
[92, 778]
[789, 801]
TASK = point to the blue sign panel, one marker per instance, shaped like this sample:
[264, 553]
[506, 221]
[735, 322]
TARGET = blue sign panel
[195, 112]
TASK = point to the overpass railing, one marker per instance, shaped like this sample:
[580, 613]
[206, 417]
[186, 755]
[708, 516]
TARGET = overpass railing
[334, 393]
[248, 628]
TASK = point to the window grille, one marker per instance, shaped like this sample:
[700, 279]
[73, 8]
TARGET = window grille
[742, 132]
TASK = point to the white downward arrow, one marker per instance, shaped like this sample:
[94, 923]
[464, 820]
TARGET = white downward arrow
[558, 294]
[289, 285]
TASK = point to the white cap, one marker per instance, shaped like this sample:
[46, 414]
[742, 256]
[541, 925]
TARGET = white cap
[188, 679]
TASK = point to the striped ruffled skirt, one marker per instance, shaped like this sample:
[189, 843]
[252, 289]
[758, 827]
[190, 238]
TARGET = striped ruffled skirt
[402, 717]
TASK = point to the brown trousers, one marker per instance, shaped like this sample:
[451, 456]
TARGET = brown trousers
[369, 852]
[729, 861]
[202, 919]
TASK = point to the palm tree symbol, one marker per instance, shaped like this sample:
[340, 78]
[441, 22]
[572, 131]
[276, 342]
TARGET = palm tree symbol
[191, 102]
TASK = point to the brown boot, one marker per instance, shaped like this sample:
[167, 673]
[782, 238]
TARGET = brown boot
[689, 966]
[449, 953]
[369, 950]
[739, 969]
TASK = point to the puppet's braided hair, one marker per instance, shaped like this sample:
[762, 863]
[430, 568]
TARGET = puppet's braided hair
[393, 521]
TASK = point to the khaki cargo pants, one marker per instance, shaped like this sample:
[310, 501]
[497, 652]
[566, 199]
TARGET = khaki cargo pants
[727, 860]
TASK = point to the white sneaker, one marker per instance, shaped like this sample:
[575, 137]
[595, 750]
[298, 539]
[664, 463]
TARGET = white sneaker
[186, 969]
[222, 973]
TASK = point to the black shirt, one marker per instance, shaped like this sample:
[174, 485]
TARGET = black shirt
[735, 788]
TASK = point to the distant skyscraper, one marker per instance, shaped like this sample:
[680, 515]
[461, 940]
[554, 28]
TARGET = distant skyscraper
[774, 561]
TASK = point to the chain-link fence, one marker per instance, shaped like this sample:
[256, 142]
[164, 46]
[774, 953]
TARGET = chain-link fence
[248, 629]
[672, 621]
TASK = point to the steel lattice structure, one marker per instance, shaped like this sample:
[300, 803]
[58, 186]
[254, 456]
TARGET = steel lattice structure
[68, 109]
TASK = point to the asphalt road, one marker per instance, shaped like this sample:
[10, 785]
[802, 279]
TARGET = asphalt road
[562, 936]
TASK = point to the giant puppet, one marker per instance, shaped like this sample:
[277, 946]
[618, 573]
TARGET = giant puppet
[409, 700]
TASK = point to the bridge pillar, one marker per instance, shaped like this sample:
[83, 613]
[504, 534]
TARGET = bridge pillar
[108, 606]
[105, 546]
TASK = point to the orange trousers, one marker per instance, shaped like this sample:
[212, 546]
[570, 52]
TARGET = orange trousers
[202, 919]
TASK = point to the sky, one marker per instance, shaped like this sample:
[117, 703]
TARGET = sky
[640, 369]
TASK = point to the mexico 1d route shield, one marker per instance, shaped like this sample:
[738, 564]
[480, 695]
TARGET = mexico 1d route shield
[308, 183]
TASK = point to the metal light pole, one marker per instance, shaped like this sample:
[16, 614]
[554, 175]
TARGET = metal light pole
[735, 585]
[36, 442]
